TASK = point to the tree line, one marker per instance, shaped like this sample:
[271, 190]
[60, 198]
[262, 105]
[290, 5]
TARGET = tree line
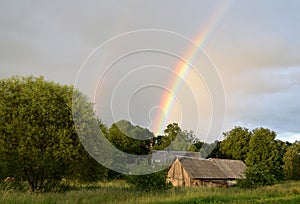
[268, 159]
[39, 143]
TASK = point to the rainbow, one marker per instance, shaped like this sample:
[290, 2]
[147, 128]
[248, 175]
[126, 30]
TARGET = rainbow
[182, 70]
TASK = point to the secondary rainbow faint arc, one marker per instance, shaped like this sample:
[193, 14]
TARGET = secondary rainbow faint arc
[183, 68]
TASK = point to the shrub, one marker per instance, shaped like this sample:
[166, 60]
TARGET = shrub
[256, 176]
[150, 182]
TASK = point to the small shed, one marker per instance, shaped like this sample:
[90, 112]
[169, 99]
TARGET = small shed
[186, 171]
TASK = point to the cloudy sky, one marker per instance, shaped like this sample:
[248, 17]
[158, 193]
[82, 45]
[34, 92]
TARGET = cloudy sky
[132, 49]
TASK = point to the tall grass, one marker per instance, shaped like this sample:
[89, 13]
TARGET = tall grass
[121, 192]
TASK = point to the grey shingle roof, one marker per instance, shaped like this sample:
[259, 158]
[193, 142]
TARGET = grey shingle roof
[213, 168]
[233, 169]
[201, 168]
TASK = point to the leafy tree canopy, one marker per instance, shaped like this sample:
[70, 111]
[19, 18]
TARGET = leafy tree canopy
[236, 143]
[175, 139]
[291, 161]
[265, 155]
[129, 138]
[38, 141]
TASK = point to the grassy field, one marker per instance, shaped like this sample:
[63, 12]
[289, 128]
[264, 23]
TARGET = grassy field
[121, 192]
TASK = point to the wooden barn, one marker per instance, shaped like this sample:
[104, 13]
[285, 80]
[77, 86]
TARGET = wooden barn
[187, 171]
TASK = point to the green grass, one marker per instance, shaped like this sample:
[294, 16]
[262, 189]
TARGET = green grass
[121, 192]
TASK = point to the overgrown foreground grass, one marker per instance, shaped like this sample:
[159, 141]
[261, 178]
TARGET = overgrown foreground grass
[121, 192]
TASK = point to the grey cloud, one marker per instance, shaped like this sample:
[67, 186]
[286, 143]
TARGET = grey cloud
[265, 97]
[256, 46]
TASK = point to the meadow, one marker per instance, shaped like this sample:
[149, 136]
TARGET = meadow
[121, 192]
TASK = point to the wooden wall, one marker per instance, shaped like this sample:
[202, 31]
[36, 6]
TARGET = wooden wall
[178, 176]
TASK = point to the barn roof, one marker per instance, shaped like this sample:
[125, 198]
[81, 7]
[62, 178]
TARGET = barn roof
[201, 168]
[233, 169]
[213, 168]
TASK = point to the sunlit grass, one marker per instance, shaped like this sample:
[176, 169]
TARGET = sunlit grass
[121, 192]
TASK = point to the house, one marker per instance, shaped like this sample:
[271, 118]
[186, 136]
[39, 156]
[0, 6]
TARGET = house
[188, 171]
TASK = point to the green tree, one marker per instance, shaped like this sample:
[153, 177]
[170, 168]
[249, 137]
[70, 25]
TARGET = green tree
[236, 143]
[38, 141]
[170, 133]
[214, 150]
[86, 168]
[292, 162]
[130, 139]
[257, 175]
[264, 156]
[134, 131]
[281, 148]
[175, 139]
[197, 146]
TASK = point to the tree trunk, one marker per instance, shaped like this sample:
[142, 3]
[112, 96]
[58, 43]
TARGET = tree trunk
[29, 180]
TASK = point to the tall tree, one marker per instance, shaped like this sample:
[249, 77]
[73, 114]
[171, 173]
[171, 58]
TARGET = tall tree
[197, 146]
[129, 138]
[86, 168]
[175, 139]
[292, 162]
[37, 134]
[236, 143]
[264, 154]
[214, 150]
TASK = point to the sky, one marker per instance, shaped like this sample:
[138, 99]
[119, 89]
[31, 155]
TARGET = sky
[208, 65]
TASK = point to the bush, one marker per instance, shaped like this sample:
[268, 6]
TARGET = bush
[150, 182]
[256, 176]
[14, 186]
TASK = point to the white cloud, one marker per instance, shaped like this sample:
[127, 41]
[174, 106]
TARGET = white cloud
[289, 136]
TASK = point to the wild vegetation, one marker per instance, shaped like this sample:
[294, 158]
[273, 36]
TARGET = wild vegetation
[121, 192]
[41, 151]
